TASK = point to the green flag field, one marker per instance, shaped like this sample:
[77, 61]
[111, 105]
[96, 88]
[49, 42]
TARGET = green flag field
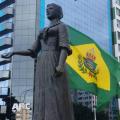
[92, 69]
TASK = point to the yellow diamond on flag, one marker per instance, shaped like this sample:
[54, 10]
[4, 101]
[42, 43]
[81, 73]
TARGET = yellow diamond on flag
[86, 61]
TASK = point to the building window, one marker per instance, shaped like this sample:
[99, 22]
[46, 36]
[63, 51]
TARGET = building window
[118, 12]
[118, 34]
[119, 47]
[118, 2]
[118, 23]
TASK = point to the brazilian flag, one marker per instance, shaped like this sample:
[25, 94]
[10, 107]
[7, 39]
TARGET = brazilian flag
[90, 68]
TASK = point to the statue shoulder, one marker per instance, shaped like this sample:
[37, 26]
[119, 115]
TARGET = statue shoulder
[40, 34]
[64, 23]
[41, 31]
[63, 26]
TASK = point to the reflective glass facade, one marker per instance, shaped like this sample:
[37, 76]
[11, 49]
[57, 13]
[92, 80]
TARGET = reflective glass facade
[24, 35]
[90, 17]
[6, 31]
[22, 68]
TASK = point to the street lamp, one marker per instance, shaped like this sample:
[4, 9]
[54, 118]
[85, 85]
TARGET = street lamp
[24, 93]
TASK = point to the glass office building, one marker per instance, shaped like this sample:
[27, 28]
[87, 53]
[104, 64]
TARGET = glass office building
[19, 34]
[88, 16]
[25, 29]
[6, 31]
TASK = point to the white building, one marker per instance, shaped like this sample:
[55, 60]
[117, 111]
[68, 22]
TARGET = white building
[116, 30]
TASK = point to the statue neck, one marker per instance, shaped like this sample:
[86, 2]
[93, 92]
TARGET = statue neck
[54, 21]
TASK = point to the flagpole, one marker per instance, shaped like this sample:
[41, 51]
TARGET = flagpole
[94, 112]
[94, 106]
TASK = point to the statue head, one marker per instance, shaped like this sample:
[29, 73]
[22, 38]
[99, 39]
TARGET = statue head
[54, 11]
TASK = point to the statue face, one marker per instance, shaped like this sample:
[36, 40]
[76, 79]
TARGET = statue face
[51, 12]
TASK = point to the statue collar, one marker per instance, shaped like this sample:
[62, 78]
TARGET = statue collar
[45, 31]
[54, 24]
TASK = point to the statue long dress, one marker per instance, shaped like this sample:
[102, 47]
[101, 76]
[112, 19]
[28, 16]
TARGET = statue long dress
[51, 97]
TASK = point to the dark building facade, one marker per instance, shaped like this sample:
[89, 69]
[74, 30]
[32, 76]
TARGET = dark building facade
[25, 32]
[17, 33]
[6, 32]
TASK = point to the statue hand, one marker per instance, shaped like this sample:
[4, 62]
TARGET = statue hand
[59, 70]
[7, 55]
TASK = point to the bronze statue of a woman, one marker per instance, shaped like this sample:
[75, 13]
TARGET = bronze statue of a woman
[52, 100]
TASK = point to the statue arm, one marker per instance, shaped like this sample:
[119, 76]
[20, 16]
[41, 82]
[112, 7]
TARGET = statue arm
[64, 48]
[64, 38]
[23, 53]
[32, 52]
[62, 59]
